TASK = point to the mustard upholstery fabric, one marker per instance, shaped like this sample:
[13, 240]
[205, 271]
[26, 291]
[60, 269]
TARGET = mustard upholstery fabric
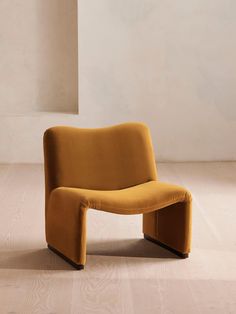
[110, 169]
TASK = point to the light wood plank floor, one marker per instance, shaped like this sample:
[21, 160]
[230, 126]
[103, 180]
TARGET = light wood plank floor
[124, 273]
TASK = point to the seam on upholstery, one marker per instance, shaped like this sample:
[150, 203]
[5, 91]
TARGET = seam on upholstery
[188, 196]
[84, 203]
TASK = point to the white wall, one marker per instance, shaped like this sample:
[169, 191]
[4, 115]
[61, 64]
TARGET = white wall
[168, 63]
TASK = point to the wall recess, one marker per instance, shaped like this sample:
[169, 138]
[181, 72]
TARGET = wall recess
[38, 56]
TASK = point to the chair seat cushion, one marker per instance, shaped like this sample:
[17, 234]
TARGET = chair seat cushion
[142, 198]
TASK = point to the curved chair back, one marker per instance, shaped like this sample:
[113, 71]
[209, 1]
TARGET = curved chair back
[103, 159]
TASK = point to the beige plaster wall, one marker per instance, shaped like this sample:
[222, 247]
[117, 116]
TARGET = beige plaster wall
[168, 63]
[38, 56]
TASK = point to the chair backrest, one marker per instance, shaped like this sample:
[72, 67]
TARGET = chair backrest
[107, 158]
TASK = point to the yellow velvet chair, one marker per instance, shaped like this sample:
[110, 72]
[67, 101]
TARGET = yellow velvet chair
[110, 169]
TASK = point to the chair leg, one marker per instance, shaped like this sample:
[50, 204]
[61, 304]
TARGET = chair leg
[77, 266]
[170, 227]
[182, 255]
[66, 234]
